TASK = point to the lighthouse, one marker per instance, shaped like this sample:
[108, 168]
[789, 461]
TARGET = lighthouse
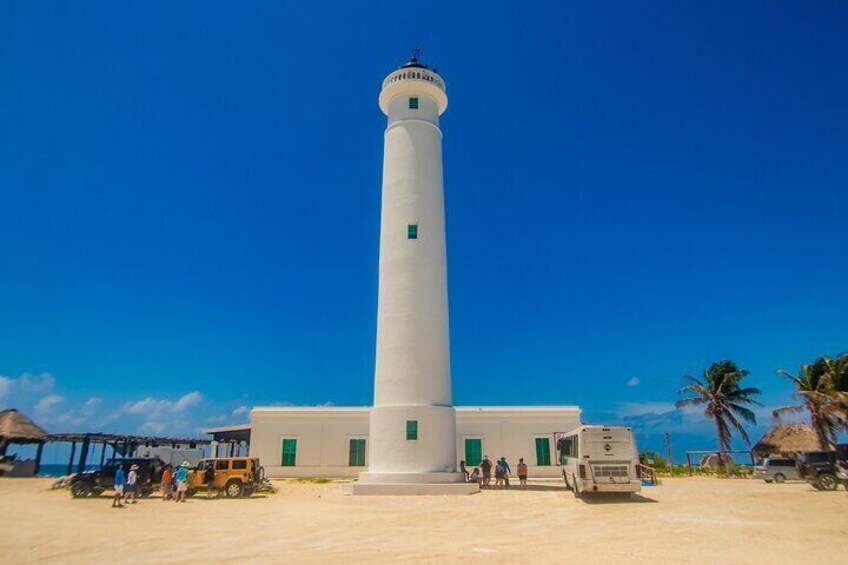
[412, 429]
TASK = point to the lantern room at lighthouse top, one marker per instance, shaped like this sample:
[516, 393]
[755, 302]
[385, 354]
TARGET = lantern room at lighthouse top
[411, 80]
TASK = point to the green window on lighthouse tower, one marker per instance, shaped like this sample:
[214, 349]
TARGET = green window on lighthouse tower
[413, 103]
[411, 430]
[412, 231]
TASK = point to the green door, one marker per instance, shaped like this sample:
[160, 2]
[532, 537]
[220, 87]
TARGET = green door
[289, 452]
[473, 451]
[356, 455]
[543, 451]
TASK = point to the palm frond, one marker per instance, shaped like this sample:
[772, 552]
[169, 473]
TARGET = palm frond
[694, 401]
[735, 423]
[745, 413]
[778, 412]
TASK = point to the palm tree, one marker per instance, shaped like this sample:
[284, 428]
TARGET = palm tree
[836, 394]
[720, 392]
[812, 387]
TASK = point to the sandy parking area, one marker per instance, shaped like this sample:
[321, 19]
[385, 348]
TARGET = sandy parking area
[694, 520]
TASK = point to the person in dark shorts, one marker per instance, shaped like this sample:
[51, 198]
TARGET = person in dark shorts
[522, 473]
[486, 468]
[131, 486]
[507, 470]
[500, 473]
[209, 478]
[167, 483]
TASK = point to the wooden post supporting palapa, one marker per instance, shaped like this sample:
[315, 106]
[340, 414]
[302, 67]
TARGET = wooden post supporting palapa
[83, 453]
[71, 458]
[38, 458]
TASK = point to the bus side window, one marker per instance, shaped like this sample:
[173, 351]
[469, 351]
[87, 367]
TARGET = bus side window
[567, 448]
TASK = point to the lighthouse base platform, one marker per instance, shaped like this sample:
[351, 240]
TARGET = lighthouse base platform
[410, 484]
[409, 489]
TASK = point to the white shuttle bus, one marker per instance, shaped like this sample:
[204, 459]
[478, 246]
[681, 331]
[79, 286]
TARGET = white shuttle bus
[599, 459]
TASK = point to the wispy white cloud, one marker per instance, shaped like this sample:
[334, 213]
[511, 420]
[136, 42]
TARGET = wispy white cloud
[5, 386]
[38, 384]
[628, 409]
[90, 407]
[191, 399]
[633, 381]
[47, 404]
[241, 410]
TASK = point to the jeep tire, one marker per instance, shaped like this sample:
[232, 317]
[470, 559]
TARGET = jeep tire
[234, 489]
[827, 481]
[780, 478]
[81, 489]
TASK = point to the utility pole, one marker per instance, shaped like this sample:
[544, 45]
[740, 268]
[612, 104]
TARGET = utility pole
[668, 449]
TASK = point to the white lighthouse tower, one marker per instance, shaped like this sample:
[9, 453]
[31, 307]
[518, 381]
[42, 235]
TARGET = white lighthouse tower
[413, 424]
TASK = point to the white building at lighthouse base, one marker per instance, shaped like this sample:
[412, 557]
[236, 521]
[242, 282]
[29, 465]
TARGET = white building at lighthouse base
[333, 442]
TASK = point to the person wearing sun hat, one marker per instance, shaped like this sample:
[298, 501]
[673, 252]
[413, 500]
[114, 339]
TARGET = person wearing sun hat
[181, 477]
[132, 480]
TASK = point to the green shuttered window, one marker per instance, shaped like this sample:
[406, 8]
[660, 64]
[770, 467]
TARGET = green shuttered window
[473, 452]
[411, 429]
[289, 453]
[412, 231]
[356, 456]
[413, 103]
[543, 451]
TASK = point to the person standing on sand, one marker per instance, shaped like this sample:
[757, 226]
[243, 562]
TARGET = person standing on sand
[464, 471]
[486, 468]
[507, 471]
[499, 474]
[209, 478]
[132, 480]
[120, 479]
[167, 487]
[181, 476]
[522, 473]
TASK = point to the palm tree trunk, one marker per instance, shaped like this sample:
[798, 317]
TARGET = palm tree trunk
[722, 445]
[821, 431]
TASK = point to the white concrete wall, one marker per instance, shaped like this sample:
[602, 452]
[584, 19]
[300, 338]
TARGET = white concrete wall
[322, 439]
[323, 436]
[512, 432]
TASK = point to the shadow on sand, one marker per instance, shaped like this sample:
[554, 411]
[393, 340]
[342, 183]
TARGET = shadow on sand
[536, 488]
[158, 498]
[614, 498]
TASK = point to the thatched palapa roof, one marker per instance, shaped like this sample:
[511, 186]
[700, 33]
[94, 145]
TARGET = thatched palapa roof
[17, 428]
[787, 439]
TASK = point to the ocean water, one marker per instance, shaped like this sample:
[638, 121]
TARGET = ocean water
[59, 469]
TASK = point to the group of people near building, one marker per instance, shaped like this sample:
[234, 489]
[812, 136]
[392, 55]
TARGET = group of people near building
[482, 473]
[174, 484]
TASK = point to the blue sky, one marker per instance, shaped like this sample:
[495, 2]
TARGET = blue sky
[190, 199]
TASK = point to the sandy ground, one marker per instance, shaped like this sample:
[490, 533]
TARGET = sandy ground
[694, 520]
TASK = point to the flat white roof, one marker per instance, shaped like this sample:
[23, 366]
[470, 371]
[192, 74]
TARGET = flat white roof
[457, 408]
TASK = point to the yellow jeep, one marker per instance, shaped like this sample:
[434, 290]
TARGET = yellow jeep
[234, 476]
